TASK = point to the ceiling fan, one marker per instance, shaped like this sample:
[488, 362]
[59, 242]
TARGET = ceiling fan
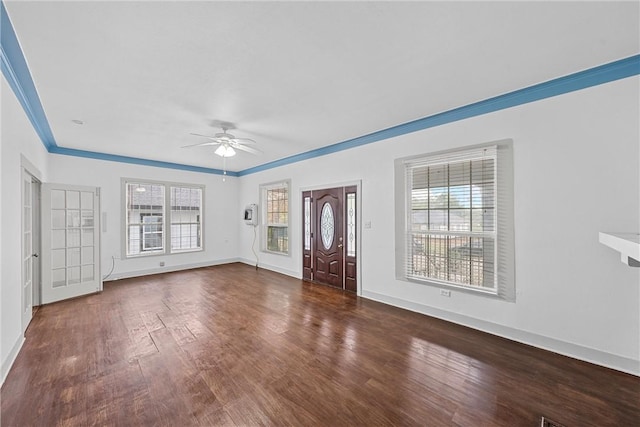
[228, 143]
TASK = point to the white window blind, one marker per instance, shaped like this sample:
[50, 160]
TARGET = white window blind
[453, 207]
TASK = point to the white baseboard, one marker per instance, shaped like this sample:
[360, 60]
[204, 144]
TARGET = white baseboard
[169, 269]
[11, 357]
[598, 357]
[284, 271]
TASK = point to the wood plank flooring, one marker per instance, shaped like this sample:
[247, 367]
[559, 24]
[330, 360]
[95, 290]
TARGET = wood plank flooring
[231, 345]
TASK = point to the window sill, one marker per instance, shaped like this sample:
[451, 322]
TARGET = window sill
[489, 293]
[266, 251]
[154, 254]
[186, 251]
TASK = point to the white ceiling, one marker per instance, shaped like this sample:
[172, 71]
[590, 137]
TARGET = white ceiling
[294, 76]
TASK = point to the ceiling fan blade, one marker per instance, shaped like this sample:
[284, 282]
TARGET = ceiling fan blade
[244, 140]
[245, 148]
[200, 144]
[204, 136]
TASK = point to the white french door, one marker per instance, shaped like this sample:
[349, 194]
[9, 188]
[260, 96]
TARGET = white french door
[70, 241]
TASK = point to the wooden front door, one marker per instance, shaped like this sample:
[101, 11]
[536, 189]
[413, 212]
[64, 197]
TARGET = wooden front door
[329, 240]
[329, 237]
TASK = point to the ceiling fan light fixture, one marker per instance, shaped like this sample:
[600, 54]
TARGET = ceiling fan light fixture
[225, 151]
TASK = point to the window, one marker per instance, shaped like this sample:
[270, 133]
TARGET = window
[151, 232]
[458, 223]
[150, 206]
[145, 217]
[186, 207]
[275, 214]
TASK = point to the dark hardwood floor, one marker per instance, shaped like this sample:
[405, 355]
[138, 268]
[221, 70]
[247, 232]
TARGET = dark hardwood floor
[231, 345]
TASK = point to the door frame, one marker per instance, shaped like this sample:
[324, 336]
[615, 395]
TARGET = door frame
[358, 185]
[36, 228]
[36, 238]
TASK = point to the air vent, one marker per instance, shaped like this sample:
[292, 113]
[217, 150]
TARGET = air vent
[546, 422]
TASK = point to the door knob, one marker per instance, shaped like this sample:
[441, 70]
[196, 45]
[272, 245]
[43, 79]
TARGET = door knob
[340, 246]
[34, 255]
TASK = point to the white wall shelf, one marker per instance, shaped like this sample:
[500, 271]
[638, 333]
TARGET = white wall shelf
[628, 244]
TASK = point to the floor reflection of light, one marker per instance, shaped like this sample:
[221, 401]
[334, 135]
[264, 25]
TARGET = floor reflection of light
[447, 371]
[349, 344]
[351, 337]
[326, 327]
[277, 323]
[71, 360]
[307, 316]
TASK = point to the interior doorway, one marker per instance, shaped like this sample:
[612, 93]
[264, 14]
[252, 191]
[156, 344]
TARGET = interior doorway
[329, 244]
[30, 254]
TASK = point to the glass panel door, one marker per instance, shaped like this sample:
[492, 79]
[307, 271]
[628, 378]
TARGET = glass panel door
[70, 241]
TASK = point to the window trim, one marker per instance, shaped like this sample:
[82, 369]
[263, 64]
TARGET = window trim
[264, 225]
[166, 221]
[504, 217]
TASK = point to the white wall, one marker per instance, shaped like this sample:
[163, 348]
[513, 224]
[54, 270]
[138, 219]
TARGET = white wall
[222, 214]
[2, 343]
[18, 138]
[576, 161]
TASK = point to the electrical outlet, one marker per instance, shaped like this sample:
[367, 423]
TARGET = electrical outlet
[445, 292]
[161, 263]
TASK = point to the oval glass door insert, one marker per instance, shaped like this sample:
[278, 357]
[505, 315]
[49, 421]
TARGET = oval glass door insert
[327, 226]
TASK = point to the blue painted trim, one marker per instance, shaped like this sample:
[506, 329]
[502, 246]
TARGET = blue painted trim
[15, 69]
[135, 161]
[592, 77]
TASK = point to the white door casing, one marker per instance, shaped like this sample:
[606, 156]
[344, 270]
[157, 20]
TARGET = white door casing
[27, 252]
[70, 241]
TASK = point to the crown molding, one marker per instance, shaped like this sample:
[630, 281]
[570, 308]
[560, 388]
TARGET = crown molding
[16, 71]
[136, 161]
[606, 73]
